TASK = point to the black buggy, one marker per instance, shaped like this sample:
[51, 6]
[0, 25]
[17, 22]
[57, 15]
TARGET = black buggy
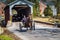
[27, 25]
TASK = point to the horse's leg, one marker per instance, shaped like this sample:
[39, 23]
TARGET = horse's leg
[27, 28]
[30, 26]
[26, 25]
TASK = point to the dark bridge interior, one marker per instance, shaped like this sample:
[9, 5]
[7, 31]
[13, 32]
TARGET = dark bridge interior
[21, 11]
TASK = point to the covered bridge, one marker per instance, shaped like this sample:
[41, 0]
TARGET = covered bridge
[14, 11]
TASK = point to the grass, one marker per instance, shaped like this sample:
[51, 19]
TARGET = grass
[48, 20]
[5, 37]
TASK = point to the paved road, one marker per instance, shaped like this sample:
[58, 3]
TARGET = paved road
[42, 32]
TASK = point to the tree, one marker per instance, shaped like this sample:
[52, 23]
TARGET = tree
[57, 5]
[9, 1]
[35, 7]
[48, 11]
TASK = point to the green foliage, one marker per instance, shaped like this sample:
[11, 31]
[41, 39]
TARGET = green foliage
[34, 11]
[9, 1]
[57, 5]
[5, 37]
[35, 7]
[48, 11]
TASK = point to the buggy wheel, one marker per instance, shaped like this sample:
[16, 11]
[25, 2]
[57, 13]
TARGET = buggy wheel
[33, 25]
[31, 28]
[20, 26]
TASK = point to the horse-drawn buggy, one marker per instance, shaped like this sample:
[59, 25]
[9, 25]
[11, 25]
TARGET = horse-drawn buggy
[27, 22]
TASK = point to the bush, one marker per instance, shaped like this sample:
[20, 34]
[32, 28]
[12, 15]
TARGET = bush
[48, 11]
[3, 23]
[34, 11]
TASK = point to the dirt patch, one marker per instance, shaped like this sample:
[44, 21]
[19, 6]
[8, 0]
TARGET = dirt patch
[10, 34]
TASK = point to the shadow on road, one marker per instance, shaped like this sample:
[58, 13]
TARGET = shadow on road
[21, 30]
